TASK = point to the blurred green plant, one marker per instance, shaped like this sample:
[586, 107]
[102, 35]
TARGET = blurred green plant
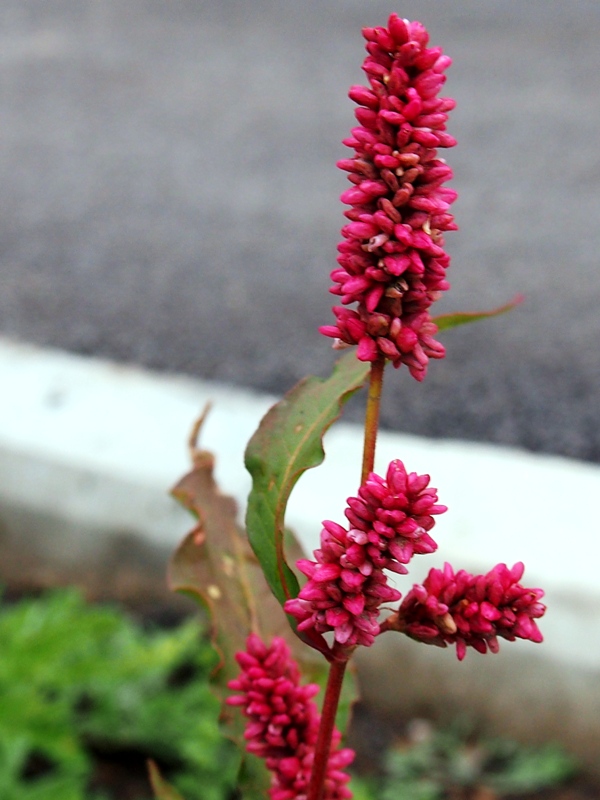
[78, 680]
[437, 764]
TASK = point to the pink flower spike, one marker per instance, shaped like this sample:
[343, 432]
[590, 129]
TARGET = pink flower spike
[347, 583]
[392, 261]
[283, 722]
[472, 610]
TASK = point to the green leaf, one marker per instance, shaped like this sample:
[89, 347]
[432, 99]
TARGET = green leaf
[446, 321]
[162, 790]
[289, 441]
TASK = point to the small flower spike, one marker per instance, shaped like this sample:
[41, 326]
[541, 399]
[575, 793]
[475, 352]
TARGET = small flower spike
[395, 514]
[346, 584]
[471, 610]
[283, 722]
[392, 262]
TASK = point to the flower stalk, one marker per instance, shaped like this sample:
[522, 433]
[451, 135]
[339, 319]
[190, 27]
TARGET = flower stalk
[372, 417]
[335, 680]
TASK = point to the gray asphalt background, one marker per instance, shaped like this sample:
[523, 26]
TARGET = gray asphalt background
[170, 197]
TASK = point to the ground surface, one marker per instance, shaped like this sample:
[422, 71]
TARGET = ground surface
[169, 196]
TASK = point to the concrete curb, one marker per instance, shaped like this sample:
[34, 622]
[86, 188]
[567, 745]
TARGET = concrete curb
[88, 450]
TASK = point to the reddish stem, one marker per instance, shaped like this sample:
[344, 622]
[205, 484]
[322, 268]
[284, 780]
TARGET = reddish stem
[372, 417]
[323, 745]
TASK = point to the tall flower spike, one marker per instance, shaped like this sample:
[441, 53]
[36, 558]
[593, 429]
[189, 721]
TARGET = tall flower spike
[346, 584]
[471, 610]
[283, 722]
[392, 262]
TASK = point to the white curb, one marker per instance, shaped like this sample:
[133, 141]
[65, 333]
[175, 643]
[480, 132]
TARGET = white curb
[96, 446]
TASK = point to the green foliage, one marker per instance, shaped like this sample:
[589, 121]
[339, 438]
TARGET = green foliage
[289, 441]
[76, 679]
[512, 768]
[444, 762]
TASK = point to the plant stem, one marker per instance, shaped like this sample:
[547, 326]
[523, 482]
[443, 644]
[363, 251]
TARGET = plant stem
[372, 417]
[323, 745]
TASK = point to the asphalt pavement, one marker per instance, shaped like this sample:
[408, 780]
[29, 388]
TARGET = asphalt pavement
[170, 197]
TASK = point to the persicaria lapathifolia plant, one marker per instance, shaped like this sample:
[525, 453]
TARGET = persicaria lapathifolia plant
[392, 268]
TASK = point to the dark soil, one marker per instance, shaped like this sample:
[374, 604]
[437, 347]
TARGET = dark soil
[122, 774]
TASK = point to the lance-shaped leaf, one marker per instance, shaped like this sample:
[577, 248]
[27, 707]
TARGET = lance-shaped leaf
[289, 441]
[445, 321]
[215, 565]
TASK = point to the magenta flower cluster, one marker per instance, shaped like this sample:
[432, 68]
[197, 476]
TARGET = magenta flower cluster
[472, 610]
[392, 261]
[390, 520]
[389, 523]
[283, 722]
